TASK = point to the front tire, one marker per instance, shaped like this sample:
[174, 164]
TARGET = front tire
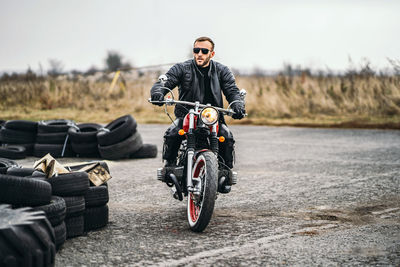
[200, 208]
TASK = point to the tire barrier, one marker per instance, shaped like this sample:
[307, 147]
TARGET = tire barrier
[71, 204]
[119, 139]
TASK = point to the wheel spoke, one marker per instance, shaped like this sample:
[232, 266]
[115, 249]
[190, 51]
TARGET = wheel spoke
[202, 172]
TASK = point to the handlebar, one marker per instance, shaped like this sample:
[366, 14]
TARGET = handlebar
[171, 102]
[163, 78]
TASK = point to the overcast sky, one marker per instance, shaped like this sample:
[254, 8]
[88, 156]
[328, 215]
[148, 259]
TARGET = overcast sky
[247, 33]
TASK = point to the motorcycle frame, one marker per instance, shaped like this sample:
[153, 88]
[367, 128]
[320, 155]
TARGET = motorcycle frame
[190, 135]
[191, 149]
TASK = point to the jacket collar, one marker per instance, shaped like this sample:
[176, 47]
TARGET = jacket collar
[198, 70]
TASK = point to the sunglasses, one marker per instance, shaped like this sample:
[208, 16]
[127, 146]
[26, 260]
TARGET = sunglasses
[203, 50]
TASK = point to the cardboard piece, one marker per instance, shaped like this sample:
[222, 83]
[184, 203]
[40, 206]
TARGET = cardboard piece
[49, 166]
[98, 175]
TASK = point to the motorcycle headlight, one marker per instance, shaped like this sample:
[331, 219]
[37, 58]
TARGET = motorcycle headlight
[209, 116]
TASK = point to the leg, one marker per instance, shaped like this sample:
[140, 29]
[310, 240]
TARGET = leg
[172, 142]
[227, 148]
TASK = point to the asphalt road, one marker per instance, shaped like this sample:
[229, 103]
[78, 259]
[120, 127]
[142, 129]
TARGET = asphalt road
[304, 197]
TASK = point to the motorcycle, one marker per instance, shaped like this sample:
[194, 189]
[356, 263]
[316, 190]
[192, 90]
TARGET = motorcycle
[198, 173]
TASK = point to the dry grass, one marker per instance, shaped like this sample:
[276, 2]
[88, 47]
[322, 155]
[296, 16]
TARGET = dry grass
[341, 101]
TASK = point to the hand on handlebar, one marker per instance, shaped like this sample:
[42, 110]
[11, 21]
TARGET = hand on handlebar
[157, 97]
[239, 110]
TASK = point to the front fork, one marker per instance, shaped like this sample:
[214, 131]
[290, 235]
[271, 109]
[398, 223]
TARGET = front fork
[190, 155]
[191, 145]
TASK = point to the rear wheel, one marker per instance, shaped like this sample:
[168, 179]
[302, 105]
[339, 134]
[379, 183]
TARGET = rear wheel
[201, 206]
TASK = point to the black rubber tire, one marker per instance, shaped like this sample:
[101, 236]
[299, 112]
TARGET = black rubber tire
[26, 238]
[16, 137]
[13, 152]
[22, 191]
[75, 206]
[83, 149]
[28, 147]
[119, 130]
[60, 232]
[51, 138]
[96, 196]
[70, 184]
[5, 164]
[85, 133]
[55, 211]
[55, 150]
[20, 171]
[122, 149]
[146, 151]
[96, 217]
[22, 125]
[54, 126]
[75, 226]
[209, 194]
[38, 174]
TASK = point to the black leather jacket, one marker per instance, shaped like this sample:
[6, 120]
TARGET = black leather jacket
[185, 76]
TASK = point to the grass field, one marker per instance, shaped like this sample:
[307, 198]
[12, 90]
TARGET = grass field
[352, 100]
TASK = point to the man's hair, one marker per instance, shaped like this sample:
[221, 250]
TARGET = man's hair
[203, 39]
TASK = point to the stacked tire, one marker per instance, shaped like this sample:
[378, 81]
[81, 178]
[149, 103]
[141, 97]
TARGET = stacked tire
[63, 138]
[26, 238]
[72, 204]
[18, 138]
[96, 199]
[84, 139]
[119, 138]
[54, 207]
[96, 212]
[72, 188]
[52, 137]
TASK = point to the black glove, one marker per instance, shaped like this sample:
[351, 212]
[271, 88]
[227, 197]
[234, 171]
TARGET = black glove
[157, 97]
[239, 110]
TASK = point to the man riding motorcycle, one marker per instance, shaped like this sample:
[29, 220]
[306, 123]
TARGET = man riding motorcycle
[204, 80]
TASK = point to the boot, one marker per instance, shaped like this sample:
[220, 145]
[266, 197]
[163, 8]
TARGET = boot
[226, 178]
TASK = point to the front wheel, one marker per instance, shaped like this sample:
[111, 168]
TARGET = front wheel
[201, 206]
